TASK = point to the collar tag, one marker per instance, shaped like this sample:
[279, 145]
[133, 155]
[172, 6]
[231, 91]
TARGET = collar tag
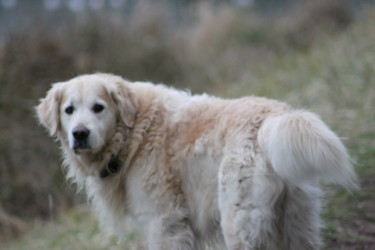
[112, 167]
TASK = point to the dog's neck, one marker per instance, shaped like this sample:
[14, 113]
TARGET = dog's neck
[109, 160]
[119, 152]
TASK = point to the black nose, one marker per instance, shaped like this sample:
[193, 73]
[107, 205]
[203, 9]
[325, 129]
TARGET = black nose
[80, 133]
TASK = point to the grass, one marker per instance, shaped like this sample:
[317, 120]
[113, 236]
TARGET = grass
[328, 69]
[74, 229]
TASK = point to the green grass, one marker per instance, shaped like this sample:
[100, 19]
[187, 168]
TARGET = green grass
[74, 229]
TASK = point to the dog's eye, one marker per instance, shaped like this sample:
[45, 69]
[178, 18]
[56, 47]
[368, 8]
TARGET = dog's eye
[69, 110]
[98, 108]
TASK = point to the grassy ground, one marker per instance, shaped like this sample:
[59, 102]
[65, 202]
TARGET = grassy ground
[326, 66]
[76, 230]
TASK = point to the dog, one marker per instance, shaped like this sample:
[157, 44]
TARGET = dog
[191, 170]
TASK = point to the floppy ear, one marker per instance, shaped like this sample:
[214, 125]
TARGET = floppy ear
[48, 110]
[126, 103]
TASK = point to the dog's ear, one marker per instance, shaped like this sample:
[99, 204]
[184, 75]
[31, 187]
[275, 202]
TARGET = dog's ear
[48, 110]
[126, 103]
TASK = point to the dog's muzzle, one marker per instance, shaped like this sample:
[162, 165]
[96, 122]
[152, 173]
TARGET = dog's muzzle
[80, 135]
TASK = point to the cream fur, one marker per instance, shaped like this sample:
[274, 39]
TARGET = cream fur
[198, 169]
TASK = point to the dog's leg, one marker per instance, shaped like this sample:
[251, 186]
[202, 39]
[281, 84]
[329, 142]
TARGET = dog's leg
[248, 193]
[171, 231]
[301, 222]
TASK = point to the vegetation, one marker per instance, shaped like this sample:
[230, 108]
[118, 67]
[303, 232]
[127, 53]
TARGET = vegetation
[318, 57]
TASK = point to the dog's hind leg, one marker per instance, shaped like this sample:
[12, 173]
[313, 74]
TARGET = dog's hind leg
[248, 192]
[300, 220]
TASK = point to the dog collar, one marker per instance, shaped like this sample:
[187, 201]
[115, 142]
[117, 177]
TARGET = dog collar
[112, 167]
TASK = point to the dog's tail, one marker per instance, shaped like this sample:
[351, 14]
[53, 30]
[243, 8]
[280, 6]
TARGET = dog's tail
[300, 147]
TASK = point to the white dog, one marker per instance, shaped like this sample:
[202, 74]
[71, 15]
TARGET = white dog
[191, 170]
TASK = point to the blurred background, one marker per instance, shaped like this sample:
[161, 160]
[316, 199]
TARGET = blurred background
[314, 54]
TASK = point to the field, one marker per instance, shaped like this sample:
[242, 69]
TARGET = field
[319, 57]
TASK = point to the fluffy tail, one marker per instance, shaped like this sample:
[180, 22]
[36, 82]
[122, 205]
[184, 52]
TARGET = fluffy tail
[300, 147]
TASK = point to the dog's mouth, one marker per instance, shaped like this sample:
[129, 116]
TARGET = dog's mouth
[80, 146]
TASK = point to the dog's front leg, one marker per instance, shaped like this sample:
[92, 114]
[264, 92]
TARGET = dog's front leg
[171, 231]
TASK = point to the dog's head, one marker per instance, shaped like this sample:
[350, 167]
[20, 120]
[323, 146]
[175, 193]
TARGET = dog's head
[84, 112]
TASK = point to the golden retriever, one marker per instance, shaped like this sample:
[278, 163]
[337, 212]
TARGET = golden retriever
[190, 170]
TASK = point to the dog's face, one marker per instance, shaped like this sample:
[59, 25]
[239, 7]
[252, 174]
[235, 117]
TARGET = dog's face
[84, 111]
[87, 116]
